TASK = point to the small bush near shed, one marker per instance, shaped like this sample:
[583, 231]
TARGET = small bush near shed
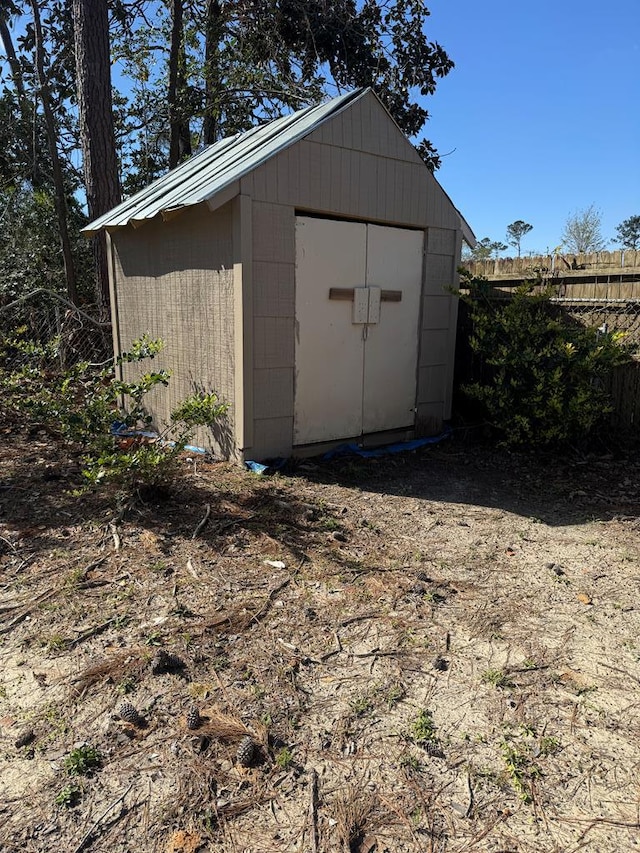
[82, 404]
[538, 378]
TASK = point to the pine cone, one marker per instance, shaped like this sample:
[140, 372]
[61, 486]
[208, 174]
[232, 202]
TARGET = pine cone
[159, 662]
[193, 718]
[174, 662]
[129, 714]
[246, 752]
[165, 662]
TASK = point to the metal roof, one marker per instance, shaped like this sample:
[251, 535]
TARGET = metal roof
[202, 176]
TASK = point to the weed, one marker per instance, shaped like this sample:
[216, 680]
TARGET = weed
[82, 761]
[549, 746]
[583, 691]
[284, 758]
[127, 685]
[410, 762]
[433, 597]
[423, 730]
[361, 706]
[3, 692]
[153, 639]
[394, 694]
[330, 524]
[58, 725]
[497, 677]
[521, 770]
[56, 643]
[74, 578]
[69, 796]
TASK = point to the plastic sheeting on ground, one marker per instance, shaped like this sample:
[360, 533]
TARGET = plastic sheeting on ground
[354, 449]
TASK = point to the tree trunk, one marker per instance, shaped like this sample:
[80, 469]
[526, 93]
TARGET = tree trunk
[58, 181]
[97, 138]
[212, 36]
[180, 133]
[23, 100]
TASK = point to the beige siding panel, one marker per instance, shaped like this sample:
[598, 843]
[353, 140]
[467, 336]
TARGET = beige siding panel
[247, 186]
[273, 393]
[273, 289]
[345, 182]
[313, 165]
[243, 319]
[429, 418]
[270, 170]
[434, 347]
[273, 233]
[273, 342]
[288, 170]
[453, 325]
[441, 241]
[366, 126]
[439, 275]
[259, 190]
[273, 437]
[174, 281]
[431, 384]
[436, 312]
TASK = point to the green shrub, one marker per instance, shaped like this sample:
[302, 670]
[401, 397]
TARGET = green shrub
[82, 403]
[538, 378]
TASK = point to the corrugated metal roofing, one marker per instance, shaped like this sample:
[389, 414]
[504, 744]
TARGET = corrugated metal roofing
[202, 176]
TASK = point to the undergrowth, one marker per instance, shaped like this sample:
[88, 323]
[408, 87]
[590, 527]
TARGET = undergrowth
[538, 378]
[105, 415]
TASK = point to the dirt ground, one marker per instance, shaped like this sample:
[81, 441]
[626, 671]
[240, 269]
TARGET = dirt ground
[432, 652]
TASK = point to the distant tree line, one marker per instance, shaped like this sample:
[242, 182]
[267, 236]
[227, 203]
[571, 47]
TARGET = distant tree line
[186, 74]
[582, 233]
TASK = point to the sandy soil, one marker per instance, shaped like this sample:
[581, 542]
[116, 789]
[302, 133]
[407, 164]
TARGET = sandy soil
[433, 652]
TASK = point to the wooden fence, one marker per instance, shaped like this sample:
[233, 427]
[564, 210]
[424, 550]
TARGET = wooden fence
[604, 268]
[624, 388]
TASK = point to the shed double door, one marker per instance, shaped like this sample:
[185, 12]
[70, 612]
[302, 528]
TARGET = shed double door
[358, 290]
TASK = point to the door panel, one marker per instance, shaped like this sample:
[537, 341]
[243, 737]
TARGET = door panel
[394, 262]
[329, 348]
[356, 349]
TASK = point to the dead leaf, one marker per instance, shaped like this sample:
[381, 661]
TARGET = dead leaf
[149, 540]
[184, 842]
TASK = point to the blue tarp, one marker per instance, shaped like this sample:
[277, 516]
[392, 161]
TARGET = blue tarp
[356, 450]
[123, 431]
[388, 449]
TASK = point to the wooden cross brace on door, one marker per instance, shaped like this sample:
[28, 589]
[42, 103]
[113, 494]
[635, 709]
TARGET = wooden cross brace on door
[366, 301]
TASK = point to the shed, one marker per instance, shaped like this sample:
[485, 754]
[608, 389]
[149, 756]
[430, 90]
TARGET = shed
[303, 271]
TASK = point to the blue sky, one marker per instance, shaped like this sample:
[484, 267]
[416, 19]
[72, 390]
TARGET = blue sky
[543, 111]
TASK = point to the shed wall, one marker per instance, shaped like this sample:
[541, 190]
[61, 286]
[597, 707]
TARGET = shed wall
[381, 180]
[174, 280]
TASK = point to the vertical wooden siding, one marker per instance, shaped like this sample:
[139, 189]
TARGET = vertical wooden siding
[174, 280]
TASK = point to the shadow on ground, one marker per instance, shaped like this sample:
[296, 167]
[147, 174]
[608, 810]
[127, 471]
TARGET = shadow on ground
[553, 489]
